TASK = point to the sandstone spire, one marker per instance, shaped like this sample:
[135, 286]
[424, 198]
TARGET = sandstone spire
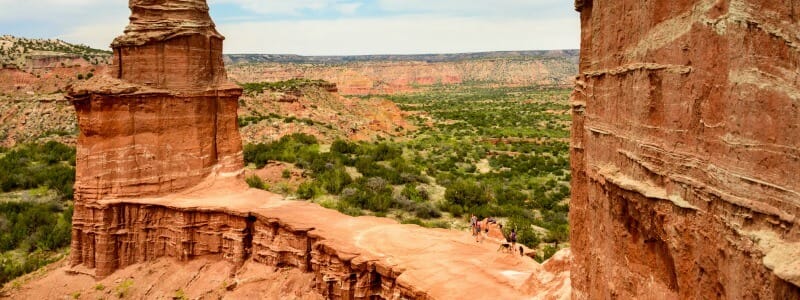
[166, 119]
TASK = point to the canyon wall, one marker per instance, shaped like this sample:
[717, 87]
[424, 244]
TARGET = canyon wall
[685, 150]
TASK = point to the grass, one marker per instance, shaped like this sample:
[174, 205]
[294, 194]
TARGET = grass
[123, 289]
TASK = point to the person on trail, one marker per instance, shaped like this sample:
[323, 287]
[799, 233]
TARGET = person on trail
[478, 230]
[473, 221]
[513, 237]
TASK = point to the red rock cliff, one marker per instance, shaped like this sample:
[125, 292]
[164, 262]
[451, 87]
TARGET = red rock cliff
[686, 146]
[167, 118]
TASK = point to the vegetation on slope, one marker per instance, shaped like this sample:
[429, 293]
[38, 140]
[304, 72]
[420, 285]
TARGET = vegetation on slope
[296, 84]
[13, 50]
[35, 211]
[500, 152]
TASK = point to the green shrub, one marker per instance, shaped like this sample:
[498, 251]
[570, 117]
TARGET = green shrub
[560, 233]
[334, 180]
[286, 174]
[374, 194]
[343, 147]
[546, 253]
[347, 209]
[412, 192]
[123, 289]
[255, 182]
[426, 211]
[289, 149]
[467, 193]
[308, 190]
[454, 209]
[31, 166]
[438, 224]
[414, 221]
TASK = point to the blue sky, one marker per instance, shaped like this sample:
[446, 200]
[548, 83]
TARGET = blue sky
[326, 27]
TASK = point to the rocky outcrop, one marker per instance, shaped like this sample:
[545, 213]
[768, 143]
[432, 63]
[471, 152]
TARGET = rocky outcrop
[166, 119]
[685, 148]
[350, 258]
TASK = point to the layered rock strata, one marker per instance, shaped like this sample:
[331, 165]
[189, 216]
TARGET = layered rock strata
[350, 258]
[166, 119]
[685, 150]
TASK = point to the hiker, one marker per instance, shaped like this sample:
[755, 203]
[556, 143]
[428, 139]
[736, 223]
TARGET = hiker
[478, 230]
[473, 221]
[513, 237]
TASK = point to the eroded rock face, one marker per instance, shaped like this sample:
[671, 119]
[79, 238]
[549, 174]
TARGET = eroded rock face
[167, 118]
[686, 149]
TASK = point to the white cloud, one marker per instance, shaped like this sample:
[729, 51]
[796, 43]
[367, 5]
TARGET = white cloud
[97, 36]
[347, 8]
[506, 8]
[399, 35]
[290, 7]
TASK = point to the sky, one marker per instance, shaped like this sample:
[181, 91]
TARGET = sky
[325, 27]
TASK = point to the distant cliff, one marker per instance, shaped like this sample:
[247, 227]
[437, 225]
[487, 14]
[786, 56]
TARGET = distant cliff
[388, 74]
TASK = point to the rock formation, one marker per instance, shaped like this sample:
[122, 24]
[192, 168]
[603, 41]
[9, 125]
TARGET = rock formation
[167, 119]
[685, 150]
[158, 155]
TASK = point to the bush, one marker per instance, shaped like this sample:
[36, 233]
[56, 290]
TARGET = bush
[333, 181]
[414, 193]
[467, 193]
[426, 211]
[31, 166]
[374, 194]
[545, 253]
[438, 224]
[454, 209]
[509, 196]
[255, 182]
[347, 209]
[308, 190]
[34, 228]
[286, 174]
[343, 147]
[414, 221]
[289, 149]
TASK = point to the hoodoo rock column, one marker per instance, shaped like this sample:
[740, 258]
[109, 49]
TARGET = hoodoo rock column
[686, 150]
[168, 118]
[164, 122]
